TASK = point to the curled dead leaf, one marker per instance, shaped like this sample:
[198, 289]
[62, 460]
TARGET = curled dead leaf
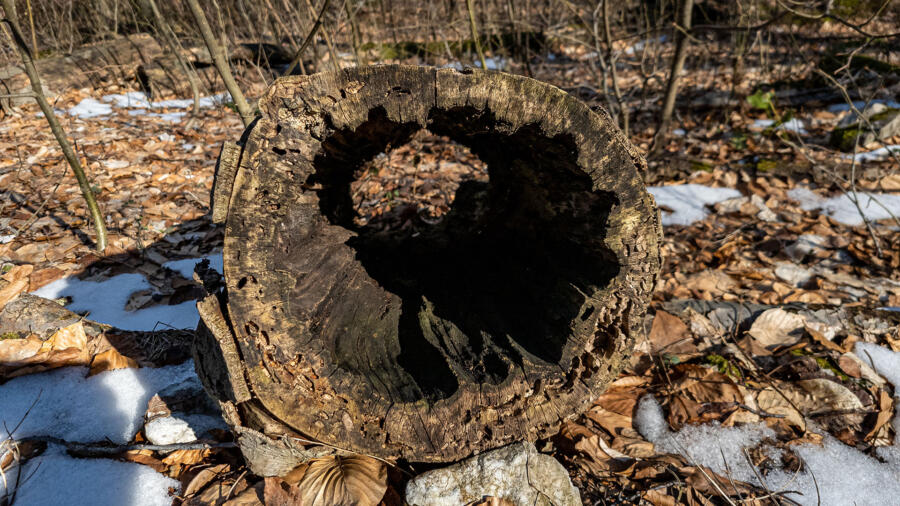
[777, 328]
[110, 360]
[352, 480]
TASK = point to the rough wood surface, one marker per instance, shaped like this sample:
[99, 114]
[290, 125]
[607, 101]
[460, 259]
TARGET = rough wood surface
[493, 326]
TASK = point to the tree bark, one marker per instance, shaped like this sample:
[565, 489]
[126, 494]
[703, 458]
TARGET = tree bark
[221, 62]
[681, 45]
[436, 342]
[55, 127]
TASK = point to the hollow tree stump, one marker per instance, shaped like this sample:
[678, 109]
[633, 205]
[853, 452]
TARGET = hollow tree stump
[495, 325]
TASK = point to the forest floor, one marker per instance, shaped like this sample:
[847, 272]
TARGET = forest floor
[777, 383]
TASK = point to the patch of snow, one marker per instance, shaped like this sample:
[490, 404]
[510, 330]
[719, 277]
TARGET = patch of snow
[174, 117]
[890, 308]
[875, 155]
[859, 104]
[129, 99]
[70, 406]
[876, 206]
[640, 45]
[60, 479]
[551, 57]
[105, 301]
[6, 238]
[187, 146]
[185, 103]
[842, 474]
[792, 125]
[166, 137]
[90, 108]
[702, 444]
[688, 201]
[185, 267]
[680, 132]
[180, 428]
[493, 63]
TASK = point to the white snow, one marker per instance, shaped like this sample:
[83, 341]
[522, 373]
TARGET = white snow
[69, 406]
[640, 45]
[859, 105]
[174, 117]
[792, 125]
[139, 99]
[702, 444]
[60, 479]
[688, 201]
[876, 206]
[680, 132]
[875, 155]
[109, 405]
[105, 302]
[842, 474]
[90, 108]
[129, 99]
[186, 267]
[493, 63]
[6, 238]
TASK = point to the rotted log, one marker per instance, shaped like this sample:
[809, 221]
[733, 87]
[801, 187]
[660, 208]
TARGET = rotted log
[436, 342]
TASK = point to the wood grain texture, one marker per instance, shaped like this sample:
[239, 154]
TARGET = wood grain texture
[509, 316]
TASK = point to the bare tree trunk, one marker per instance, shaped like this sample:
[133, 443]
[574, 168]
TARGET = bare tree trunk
[623, 109]
[298, 58]
[55, 127]
[169, 38]
[474, 28]
[218, 56]
[681, 45]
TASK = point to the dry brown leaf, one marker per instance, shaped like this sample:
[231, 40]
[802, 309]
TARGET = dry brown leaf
[772, 402]
[203, 478]
[885, 413]
[186, 457]
[110, 360]
[277, 492]
[820, 395]
[820, 338]
[777, 328]
[12, 290]
[357, 480]
[669, 334]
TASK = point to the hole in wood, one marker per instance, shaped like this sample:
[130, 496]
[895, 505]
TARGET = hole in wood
[496, 285]
[413, 185]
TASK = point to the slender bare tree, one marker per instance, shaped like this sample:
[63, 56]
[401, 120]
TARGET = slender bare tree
[474, 28]
[218, 55]
[171, 41]
[27, 60]
[681, 44]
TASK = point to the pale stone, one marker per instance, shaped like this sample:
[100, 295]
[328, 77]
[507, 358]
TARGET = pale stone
[517, 473]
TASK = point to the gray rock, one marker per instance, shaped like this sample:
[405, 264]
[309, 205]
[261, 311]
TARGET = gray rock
[882, 123]
[180, 428]
[517, 473]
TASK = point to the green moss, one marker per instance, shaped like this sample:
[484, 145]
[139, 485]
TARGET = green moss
[766, 165]
[723, 365]
[699, 165]
[9, 335]
[845, 138]
[826, 364]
